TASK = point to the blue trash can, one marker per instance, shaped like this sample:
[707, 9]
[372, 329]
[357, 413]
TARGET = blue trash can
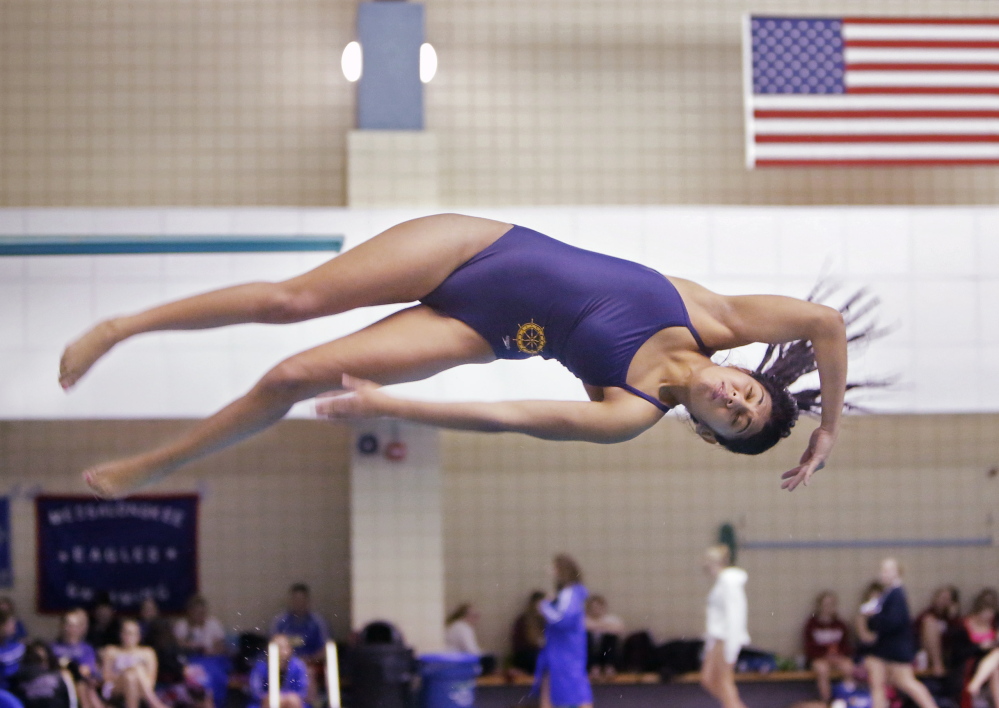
[448, 680]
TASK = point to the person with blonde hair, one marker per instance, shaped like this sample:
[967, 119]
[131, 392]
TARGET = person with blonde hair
[78, 657]
[560, 676]
[726, 631]
[890, 659]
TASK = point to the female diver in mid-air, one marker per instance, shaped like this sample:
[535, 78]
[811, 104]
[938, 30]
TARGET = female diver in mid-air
[640, 342]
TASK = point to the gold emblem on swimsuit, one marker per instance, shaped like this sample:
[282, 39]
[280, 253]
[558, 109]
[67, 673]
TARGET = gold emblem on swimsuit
[531, 338]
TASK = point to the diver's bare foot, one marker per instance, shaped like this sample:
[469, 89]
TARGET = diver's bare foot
[113, 480]
[79, 356]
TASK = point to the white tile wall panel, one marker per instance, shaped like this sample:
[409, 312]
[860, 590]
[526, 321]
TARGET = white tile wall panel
[620, 232]
[12, 319]
[877, 241]
[396, 535]
[112, 298]
[14, 394]
[944, 242]
[987, 222]
[13, 222]
[266, 222]
[13, 269]
[39, 371]
[47, 222]
[989, 360]
[878, 247]
[129, 222]
[987, 304]
[195, 222]
[944, 313]
[811, 242]
[744, 243]
[145, 269]
[947, 378]
[677, 240]
[56, 311]
[59, 269]
[199, 374]
[213, 270]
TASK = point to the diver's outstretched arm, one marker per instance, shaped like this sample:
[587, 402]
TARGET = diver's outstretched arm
[620, 416]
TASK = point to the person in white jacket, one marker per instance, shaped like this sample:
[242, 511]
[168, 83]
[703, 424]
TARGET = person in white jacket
[726, 627]
[459, 632]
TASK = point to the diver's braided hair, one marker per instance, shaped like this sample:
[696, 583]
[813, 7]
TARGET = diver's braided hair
[783, 364]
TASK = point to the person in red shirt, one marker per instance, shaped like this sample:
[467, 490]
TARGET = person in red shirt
[827, 643]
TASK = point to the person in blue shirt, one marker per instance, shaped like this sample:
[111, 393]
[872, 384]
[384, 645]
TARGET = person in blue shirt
[890, 660]
[306, 630]
[7, 605]
[293, 673]
[561, 677]
[11, 649]
[39, 683]
[78, 657]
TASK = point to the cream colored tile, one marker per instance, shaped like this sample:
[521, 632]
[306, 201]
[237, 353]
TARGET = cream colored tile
[638, 517]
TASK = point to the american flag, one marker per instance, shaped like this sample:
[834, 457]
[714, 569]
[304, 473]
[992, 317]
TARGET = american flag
[871, 91]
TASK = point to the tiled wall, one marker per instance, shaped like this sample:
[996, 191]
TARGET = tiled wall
[397, 553]
[137, 103]
[386, 168]
[274, 510]
[157, 102]
[638, 515]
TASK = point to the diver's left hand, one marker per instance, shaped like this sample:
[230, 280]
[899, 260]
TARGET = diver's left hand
[814, 459]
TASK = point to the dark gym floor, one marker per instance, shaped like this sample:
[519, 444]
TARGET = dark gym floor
[758, 695]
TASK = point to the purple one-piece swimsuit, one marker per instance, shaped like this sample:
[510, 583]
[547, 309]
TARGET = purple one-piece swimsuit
[530, 295]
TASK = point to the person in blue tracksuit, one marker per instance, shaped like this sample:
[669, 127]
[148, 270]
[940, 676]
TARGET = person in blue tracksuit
[294, 678]
[11, 648]
[894, 649]
[561, 677]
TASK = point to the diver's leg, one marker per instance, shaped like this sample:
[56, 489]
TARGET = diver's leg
[401, 264]
[406, 346]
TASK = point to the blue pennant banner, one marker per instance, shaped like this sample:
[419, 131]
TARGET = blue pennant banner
[132, 549]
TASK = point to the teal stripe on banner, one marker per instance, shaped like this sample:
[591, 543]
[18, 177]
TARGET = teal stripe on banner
[121, 245]
[869, 543]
